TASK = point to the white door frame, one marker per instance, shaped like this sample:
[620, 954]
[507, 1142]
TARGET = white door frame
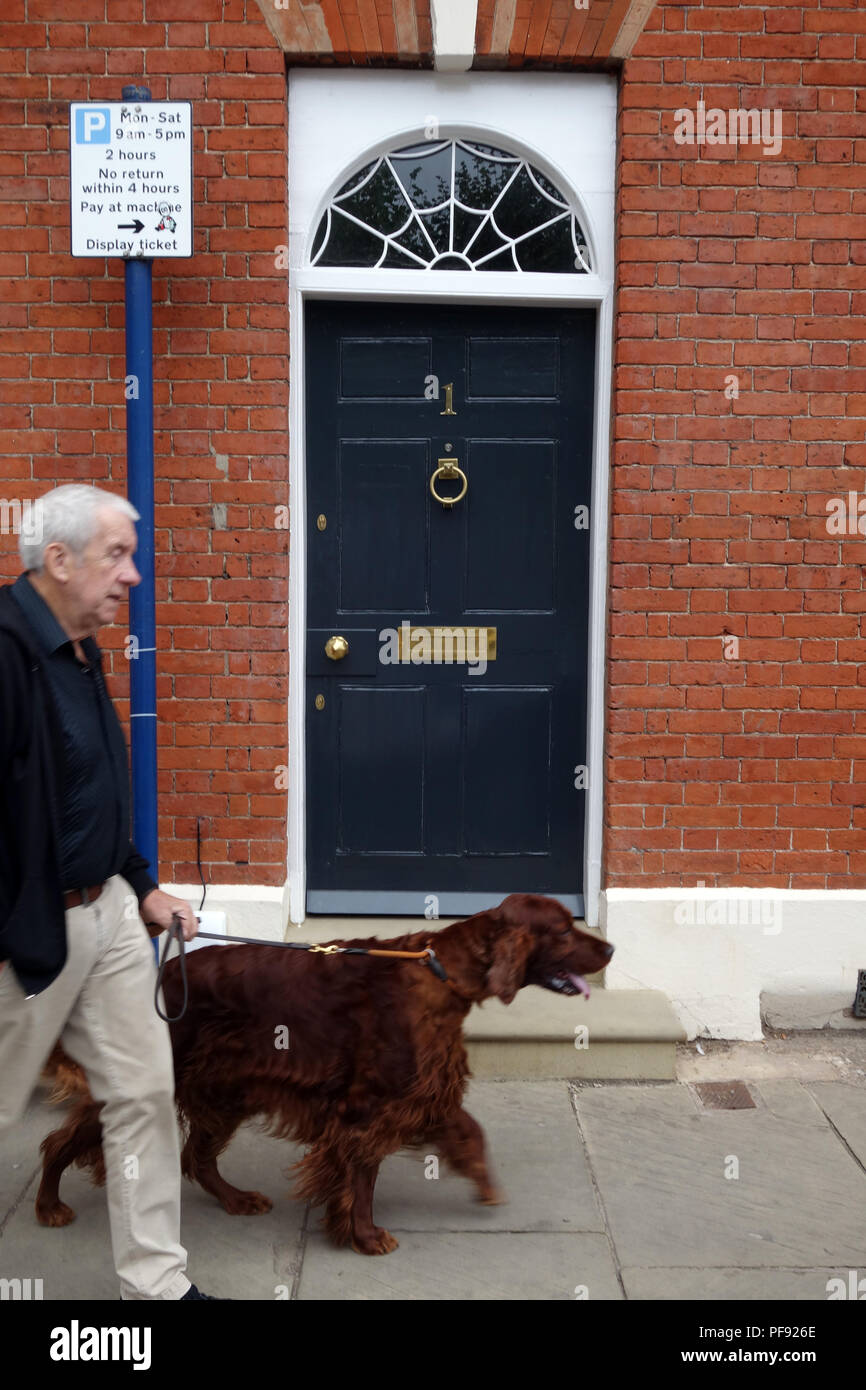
[566, 125]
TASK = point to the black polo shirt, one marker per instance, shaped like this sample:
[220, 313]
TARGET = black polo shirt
[94, 811]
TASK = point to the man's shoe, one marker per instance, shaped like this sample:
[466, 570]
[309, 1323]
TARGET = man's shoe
[193, 1292]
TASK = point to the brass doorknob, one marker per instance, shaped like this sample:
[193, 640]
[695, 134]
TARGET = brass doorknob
[336, 648]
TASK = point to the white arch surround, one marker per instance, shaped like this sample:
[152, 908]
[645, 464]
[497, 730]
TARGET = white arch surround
[565, 125]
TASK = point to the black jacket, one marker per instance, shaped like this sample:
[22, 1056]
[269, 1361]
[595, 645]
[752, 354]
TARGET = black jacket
[32, 916]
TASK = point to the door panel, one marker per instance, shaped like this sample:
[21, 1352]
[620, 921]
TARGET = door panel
[376, 480]
[450, 778]
[506, 746]
[506, 369]
[372, 718]
[521, 528]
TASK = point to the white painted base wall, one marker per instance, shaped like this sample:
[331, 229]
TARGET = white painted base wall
[254, 911]
[713, 951]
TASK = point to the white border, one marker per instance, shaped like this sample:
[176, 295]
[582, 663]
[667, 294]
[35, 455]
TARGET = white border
[566, 125]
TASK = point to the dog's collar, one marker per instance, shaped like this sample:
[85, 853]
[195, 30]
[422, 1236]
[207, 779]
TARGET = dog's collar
[440, 972]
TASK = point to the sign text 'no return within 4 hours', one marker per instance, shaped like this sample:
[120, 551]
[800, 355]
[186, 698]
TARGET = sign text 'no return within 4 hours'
[130, 185]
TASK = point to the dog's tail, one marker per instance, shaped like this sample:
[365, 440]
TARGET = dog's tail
[66, 1078]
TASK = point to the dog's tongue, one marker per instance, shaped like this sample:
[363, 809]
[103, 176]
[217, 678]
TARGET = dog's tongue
[579, 983]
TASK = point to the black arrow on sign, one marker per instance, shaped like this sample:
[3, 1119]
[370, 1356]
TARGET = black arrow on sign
[135, 226]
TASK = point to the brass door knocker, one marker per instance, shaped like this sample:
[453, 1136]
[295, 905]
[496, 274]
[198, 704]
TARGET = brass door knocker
[449, 468]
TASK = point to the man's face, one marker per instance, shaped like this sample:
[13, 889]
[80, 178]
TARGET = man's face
[99, 580]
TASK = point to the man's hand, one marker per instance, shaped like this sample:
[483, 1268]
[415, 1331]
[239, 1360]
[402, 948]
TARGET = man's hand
[158, 908]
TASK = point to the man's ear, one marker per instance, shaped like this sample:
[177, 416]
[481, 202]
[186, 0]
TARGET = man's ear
[511, 951]
[57, 562]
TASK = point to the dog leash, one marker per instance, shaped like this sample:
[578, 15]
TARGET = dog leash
[175, 933]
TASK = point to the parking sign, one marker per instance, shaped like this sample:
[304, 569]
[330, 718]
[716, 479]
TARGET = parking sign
[130, 184]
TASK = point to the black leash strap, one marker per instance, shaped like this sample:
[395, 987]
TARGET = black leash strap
[175, 933]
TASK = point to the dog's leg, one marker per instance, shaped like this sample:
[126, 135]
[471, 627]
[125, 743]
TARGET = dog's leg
[368, 1239]
[79, 1141]
[206, 1141]
[461, 1142]
[331, 1176]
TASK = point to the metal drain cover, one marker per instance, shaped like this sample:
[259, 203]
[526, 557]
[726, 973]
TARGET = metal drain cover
[725, 1095]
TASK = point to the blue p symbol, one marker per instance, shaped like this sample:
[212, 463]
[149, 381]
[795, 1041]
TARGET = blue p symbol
[92, 125]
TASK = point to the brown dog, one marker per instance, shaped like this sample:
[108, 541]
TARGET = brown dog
[355, 1056]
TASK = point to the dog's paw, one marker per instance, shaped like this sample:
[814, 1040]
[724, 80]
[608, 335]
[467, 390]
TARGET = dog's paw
[57, 1215]
[492, 1197]
[378, 1242]
[246, 1203]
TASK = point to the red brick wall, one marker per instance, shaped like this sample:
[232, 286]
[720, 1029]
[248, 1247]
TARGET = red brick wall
[747, 770]
[730, 261]
[220, 345]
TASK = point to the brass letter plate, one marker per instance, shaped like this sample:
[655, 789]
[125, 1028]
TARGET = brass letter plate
[429, 646]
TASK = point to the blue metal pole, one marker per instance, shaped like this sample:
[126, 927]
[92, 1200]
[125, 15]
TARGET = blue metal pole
[142, 610]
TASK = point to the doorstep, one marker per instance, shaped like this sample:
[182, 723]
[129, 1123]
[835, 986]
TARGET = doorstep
[615, 1035]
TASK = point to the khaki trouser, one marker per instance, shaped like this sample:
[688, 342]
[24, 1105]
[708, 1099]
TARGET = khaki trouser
[101, 1007]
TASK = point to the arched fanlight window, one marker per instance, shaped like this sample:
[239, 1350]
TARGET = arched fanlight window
[451, 205]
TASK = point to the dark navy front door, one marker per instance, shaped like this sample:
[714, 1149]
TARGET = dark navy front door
[445, 771]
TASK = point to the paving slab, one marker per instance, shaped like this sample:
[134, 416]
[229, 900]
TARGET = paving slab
[731, 1285]
[654, 1153]
[788, 1100]
[542, 1244]
[467, 1266]
[232, 1256]
[660, 1161]
[775, 1057]
[844, 1105]
[246, 1257]
[535, 1155]
[73, 1261]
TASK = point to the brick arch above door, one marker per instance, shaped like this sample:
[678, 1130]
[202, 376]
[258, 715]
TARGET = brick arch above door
[430, 33]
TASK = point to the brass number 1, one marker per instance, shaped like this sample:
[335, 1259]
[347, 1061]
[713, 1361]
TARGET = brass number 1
[449, 400]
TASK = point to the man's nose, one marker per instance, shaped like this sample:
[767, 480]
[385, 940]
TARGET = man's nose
[131, 575]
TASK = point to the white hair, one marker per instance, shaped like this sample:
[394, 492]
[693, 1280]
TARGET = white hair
[69, 515]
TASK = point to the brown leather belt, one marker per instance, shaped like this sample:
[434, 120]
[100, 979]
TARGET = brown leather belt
[82, 897]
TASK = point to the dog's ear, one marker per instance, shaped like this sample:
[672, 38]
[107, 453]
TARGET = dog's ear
[511, 950]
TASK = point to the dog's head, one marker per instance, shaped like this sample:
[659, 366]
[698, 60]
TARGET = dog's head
[534, 942]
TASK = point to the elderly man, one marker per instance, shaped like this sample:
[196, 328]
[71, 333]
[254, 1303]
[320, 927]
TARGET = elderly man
[77, 961]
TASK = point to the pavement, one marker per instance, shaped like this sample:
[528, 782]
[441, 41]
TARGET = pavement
[616, 1190]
